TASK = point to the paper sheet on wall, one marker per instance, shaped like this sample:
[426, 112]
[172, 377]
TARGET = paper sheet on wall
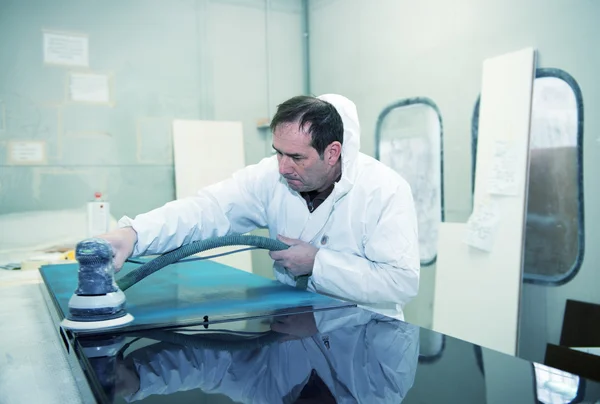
[89, 87]
[503, 179]
[483, 225]
[33, 152]
[66, 49]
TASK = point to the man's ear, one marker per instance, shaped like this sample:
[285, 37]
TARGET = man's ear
[333, 153]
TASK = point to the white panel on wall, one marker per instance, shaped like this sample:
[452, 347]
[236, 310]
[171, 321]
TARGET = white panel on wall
[206, 152]
[477, 290]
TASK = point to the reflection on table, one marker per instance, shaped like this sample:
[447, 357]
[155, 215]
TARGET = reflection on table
[340, 355]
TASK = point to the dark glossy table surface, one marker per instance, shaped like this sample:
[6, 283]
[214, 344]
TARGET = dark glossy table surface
[270, 343]
[342, 355]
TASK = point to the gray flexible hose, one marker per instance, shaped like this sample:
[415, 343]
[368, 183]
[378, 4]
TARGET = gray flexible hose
[217, 342]
[171, 257]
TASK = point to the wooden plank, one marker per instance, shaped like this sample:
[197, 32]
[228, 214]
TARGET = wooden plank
[206, 152]
[477, 292]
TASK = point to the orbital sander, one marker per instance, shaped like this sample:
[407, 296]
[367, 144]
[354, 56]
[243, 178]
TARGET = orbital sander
[99, 302]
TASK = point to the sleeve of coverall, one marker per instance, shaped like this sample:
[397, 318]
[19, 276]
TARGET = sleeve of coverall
[165, 369]
[232, 206]
[389, 271]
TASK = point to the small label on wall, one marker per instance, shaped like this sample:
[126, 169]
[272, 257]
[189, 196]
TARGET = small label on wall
[66, 49]
[27, 152]
[89, 87]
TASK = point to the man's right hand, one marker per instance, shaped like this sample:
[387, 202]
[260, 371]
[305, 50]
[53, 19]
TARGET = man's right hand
[122, 241]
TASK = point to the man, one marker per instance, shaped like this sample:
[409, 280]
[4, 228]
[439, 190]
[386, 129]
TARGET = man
[349, 219]
[366, 358]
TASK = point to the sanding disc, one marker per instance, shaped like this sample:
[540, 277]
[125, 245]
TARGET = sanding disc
[96, 325]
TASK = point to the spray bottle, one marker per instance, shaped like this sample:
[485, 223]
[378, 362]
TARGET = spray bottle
[98, 216]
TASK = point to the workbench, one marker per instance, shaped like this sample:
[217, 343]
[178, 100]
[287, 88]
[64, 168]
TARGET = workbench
[208, 333]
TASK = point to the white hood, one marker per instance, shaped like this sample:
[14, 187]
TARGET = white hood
[351, 144]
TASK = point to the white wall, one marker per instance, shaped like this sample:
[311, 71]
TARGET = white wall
[231, 60]
[255, 63]
[380, 51]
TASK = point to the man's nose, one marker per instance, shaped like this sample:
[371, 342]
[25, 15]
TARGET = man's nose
[285, 167]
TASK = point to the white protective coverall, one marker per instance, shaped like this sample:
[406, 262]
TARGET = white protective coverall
[366, 230]
[370, 359]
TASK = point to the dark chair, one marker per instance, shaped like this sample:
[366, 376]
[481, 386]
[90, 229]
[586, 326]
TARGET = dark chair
[581, 328]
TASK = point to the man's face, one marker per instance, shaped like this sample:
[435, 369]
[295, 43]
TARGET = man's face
[299, 162]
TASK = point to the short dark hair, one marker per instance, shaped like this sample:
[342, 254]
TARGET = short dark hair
[325, 123]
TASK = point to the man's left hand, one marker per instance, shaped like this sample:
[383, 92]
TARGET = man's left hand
[299, 259]
[295, 326]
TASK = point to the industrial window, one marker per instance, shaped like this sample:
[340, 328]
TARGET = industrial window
[554, 234]
[408, 138]
[553, 386]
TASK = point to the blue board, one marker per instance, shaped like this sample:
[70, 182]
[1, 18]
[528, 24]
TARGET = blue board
[185, 292]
